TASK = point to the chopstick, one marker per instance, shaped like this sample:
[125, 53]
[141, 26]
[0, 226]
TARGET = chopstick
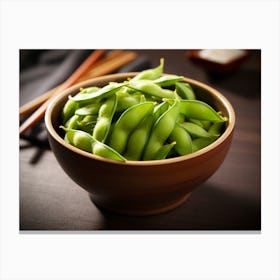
[39, 113]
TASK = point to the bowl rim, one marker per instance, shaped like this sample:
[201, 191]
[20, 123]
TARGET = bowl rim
[91, 82]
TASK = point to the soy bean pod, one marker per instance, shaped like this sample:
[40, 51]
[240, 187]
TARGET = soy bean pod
[110, 132]
[105, 115]
[124, 102]
[200, 143]
[68, 110]
[216, 129]
[185, 91]
[71, 106]
[91, 109]
[149, 88]
[161, 130]
[196, 109]
[195, 121]
[181, 118]
[86, 142]
[79, 139]
[206, 124]
[138, 139]
[183, 140]
[104, 92]
[102, 150]
[87, 119]
[163, 152]
[195, 130]
[87, 123]
[127, 122]
[160, 109]
[88, 90]
[168, 80]
[125, 91]
[150, 74]
[73, 122]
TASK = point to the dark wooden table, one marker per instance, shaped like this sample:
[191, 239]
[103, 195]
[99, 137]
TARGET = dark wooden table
[229, 200]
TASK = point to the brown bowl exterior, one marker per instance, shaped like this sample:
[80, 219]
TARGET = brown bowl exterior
[139, 187]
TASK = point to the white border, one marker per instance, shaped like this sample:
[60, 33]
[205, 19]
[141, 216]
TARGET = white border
[139, 24]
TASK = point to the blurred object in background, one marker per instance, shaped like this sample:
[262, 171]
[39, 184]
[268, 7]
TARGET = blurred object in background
[218, 62]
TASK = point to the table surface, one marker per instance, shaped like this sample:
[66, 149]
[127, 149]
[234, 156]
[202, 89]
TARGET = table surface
[229, 200]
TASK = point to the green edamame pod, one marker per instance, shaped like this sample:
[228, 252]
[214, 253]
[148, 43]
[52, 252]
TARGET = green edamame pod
[87, 123]
[183, 140]
[71, 106]
[91, 109]
[68, 110]
[86, 142]
[181, 118]
[104, 119]
[200, 143]
[87, 119]
[73, 122]
[110, 132]
[124, 102]
[152, 89]
[102, 150]
[216, 129]
[185, 91]
[163, 152]
[127, 122]
[88, 90]
[104, 92]
[195, 121]
[150, 74]
[161, 131]
[125, 91]
[79, 139]
[196, 109]
[195, 130]
[206, 124]
[168, 80]
[138, 139]
[160, 109]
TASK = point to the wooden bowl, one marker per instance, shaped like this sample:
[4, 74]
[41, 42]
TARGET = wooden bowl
[139, 187]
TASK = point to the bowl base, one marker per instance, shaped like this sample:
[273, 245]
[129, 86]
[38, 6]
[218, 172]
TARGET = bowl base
[143, 212]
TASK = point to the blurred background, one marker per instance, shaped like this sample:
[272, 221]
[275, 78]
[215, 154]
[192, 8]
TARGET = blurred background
[229, 200]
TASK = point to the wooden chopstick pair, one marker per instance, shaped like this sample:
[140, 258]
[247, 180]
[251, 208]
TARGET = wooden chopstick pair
[90, 68]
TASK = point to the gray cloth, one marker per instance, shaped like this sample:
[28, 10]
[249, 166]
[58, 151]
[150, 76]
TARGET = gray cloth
[49, 69]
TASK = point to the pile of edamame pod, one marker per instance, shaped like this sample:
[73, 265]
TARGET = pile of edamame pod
[148, 117]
